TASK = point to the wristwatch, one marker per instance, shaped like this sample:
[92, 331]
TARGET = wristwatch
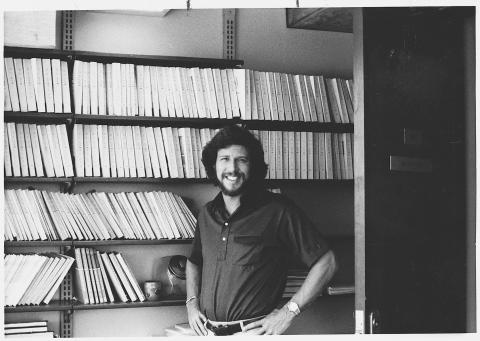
[293, 307]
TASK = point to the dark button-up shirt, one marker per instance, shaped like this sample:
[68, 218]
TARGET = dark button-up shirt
[243, 256]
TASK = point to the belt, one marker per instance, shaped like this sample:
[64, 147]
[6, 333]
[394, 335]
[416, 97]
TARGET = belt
[229, 328]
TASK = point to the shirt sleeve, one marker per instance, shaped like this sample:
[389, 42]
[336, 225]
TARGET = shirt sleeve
[300, 235]
[196, 254]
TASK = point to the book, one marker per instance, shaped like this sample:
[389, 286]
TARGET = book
[13, 145]
[118, 150]
[219, 93]
[147, 91]
[146, 155]
[6, 153]
[65, 87]
[7, 103]
[25, 330]
[117, 89]
[112, 164]
[257, 95]
[332, 99]
[310, 157]
[36, 149]
[57, 85]
[293, 97]
[135, 153]
[211, 93]
[237, 97]
[154, 91]
[316, 114]
[45, 150]
[104, 150]
[226, 94]
[162, 91]
[104, 277]
[279, 92]
[77, 86]
[329, 168]
[131, 278]
[340, 100]
[161, 150]
[113, 277]
[153, 153]
[53, 141]
[29, 85]
[109, 88]
[12, 83]
[186, 145]
[22, 150]
[304, 97]
[78, 154]
[21, 88]
[29, 150]
[272, 97]
[264, 92]
[10, 325]
[93, 87]
[167, 134]
[87, 149]
[64, 149]
[123, 277]
[38, 84]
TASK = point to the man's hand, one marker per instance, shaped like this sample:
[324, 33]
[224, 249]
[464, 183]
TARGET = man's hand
[196, 319]
[274, 323]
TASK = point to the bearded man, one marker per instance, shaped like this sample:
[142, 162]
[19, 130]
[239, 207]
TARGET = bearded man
[237, 271]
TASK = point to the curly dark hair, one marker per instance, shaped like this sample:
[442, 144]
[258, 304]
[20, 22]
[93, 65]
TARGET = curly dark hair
[230, 135]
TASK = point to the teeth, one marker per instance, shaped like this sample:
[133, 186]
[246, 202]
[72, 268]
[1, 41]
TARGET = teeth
[232, 178]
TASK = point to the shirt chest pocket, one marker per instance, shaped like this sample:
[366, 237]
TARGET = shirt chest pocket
[247, 249]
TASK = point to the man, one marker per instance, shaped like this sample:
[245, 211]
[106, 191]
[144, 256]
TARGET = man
[236, 272]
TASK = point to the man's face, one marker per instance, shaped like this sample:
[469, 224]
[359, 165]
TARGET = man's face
[233, 169]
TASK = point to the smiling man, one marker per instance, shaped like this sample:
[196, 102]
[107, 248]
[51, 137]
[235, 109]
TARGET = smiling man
[236, 272]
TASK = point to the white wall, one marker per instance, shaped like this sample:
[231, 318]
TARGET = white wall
[265, 43]
[196, 33]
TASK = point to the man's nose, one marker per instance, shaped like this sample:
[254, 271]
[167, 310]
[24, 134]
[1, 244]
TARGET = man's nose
[232, 166]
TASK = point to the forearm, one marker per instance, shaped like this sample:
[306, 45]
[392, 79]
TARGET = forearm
[318, 277]
[194, 278]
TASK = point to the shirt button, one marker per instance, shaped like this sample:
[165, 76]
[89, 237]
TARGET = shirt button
[226, 223]
[224, 239]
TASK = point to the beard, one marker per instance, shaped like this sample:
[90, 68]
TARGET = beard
[237, 190]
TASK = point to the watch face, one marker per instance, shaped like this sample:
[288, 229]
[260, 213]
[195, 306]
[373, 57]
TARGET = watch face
[293, 307]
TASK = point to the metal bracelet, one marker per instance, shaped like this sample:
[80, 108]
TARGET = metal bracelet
[190, 299]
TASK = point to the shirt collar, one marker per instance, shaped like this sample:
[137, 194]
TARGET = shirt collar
[251, 199]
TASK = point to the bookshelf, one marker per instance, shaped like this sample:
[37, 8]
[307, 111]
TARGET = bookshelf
[70, 184]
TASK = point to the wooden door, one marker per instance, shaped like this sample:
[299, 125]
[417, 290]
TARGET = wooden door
[413, 187]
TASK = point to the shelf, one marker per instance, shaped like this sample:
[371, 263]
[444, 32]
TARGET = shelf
[299, 126]
[37, 117]
[52, 306]
[24, 52]
[155, 60]
[36, 243]
[163, 303]
[70, 305]
[214, 123]
[31, 52]
[336, 182]
[154, 121]
[95, 179]
[132, 242]
[32, 179]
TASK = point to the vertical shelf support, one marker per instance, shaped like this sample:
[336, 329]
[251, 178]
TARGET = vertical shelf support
[229, 33]
[67, 30]
[66, 294]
